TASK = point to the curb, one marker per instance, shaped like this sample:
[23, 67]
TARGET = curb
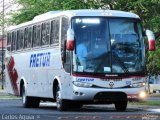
[11, 98]
[5, 96]
[3, 92]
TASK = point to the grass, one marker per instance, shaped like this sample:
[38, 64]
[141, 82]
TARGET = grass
[8, 97]
[148, 103]
[154, 103]
[4, 95]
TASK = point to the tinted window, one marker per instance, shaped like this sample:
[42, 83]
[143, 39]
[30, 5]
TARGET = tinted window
[18, 39]
[30, 31]
[64, 28]
[14, 37]
[45, 33]
[9, 41]
[36, 35]
[20, 34]
[27, 37]
[55, 31]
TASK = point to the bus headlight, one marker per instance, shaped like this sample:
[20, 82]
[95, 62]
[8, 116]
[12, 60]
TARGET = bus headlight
[142, 94]
[140, 84]
[82, 84]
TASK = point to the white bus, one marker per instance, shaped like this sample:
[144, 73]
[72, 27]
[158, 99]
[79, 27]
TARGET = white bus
[44, 62]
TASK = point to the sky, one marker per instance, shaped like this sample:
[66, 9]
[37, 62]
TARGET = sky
[9, 5]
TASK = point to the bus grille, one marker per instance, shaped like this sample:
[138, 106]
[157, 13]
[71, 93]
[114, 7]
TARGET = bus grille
[110, 96]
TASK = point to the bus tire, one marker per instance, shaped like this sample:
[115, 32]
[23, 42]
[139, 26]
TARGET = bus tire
[121, 105]
[62, 104]
[35, 102]
[29, 102]
[75, 105]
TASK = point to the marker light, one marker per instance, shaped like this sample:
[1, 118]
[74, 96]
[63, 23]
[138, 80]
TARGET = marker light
[140, 84]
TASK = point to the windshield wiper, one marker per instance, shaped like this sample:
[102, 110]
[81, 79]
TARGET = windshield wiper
[116, 59]
[120, 62]
[104, 57]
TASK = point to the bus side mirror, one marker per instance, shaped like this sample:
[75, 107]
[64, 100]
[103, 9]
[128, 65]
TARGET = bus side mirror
[70, 44]
[151, 40]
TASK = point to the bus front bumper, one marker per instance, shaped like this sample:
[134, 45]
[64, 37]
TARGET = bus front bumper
[89, 94]
[137, 97]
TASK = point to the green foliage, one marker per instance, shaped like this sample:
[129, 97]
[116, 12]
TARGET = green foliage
[1, 20]
[153, 63]
[32, 8]
[148, 10]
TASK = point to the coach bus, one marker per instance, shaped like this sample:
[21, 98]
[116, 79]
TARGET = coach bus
[44, 62]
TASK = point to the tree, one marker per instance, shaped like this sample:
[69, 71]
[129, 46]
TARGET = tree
[32, 8]
[148, 10]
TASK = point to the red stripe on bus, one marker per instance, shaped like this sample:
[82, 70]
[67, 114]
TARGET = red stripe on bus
[13, 75]
[106, 77]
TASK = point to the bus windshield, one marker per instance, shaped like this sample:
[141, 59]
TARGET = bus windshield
[108, 45]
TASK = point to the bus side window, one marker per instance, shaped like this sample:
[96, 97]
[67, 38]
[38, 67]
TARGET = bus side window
[21, 44]
[25, 37]
[36, 35]
[9, 41]
[55, 31]
[14, 38]
[64, 28]
[45, 33]
[18, 39]
[30, 31]
[20, 35]
[48, 32]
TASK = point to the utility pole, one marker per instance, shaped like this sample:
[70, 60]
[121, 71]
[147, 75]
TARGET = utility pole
[2, 46]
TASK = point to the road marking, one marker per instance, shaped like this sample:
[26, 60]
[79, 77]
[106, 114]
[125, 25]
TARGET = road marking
[88, 117]
[154, 110]
[135, 117]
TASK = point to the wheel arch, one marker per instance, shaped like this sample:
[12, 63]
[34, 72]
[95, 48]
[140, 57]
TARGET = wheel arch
[56, 82]
[22, 83]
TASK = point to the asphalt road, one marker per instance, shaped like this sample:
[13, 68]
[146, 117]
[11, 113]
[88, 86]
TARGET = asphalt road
[13, 110]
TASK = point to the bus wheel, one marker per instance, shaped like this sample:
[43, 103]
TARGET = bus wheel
[61, 104]
[121, 105]
[29, 102]
[75, 105]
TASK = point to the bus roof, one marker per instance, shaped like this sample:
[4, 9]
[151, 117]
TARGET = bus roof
[72, 13]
